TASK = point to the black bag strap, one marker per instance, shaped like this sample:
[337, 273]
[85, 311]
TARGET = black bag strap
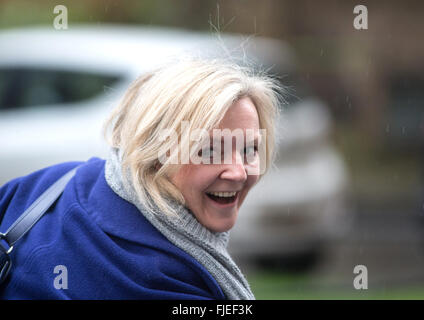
[30, 217]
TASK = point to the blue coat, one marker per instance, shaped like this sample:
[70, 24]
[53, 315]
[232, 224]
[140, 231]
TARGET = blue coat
[92, 244]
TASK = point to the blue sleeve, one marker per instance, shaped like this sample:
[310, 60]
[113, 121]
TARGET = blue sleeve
[7, 193]
[18, 194]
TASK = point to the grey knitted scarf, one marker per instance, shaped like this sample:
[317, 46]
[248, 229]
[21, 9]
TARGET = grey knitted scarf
[208, 248]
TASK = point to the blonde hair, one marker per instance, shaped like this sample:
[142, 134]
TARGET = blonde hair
[197, 91]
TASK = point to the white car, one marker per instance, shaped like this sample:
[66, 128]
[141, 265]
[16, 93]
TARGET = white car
[57, 88]
[301, 204]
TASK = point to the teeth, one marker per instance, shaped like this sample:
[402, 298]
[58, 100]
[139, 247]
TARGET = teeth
[223, 194]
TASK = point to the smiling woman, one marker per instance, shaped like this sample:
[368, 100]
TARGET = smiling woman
[216, 192]
[153, 229]
[205, 95]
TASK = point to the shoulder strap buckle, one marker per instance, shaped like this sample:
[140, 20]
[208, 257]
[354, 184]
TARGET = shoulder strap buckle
[5, 261]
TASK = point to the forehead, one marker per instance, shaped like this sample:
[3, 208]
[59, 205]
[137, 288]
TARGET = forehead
[241, 115]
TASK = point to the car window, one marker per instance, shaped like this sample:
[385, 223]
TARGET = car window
[405, 112]
[26, 87]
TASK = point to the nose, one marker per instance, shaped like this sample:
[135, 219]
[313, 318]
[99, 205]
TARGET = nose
[235, 171]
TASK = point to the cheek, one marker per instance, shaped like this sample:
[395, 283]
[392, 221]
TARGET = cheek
[251, 181]
[203, 177]
[194, 180]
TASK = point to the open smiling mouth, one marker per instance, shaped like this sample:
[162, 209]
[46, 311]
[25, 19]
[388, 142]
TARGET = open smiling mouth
[222, 197]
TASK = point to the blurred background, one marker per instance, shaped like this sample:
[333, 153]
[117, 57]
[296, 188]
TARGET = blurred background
[347, 187]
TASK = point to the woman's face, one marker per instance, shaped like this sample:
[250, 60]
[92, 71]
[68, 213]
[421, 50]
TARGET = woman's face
[207, 188]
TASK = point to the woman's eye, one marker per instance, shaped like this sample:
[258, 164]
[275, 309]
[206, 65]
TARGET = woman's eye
[206, 152]
[250, 151]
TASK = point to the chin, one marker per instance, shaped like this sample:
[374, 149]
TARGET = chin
[222, 226]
